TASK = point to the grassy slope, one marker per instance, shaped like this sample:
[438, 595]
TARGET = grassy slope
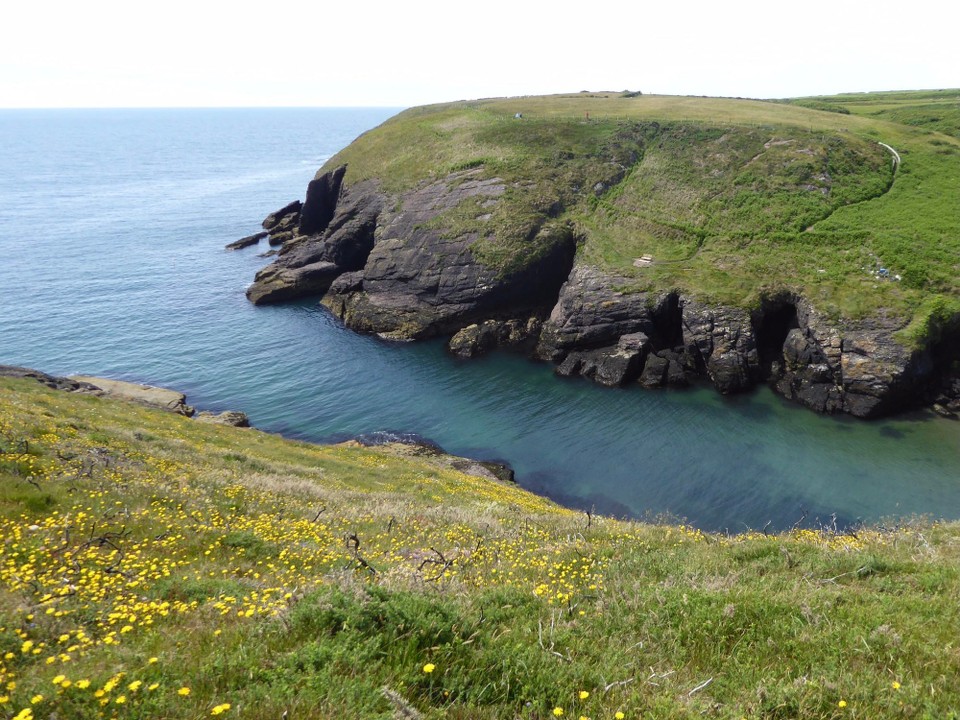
[741, 197]
[142, 553]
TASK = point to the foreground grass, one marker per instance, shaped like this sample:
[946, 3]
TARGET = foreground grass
[735, 199]
[152, 566]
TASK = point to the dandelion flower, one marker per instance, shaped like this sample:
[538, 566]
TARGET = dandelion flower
[184, 691]
[152, 660]
[135, 685]
[895, 685]
[83, 684]
[429, 668]
[121, 700]
[619, 715]
[558, 711]
[222, 708]
[584, 694]
[59, 679]
[842, 704]
[38, 698]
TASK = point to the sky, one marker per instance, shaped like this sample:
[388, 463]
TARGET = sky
[282, 53]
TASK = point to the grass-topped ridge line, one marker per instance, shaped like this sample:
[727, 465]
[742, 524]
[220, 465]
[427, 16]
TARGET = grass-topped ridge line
[810, 196]
[152, 566]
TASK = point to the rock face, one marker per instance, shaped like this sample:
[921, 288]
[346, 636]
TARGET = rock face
[233, 418]
[421, 280]
[155, 397]
[52, 382]
[324, 245]
[480, 338]
[399, 266]
[247, 241]
[162, 398]
[385, 266]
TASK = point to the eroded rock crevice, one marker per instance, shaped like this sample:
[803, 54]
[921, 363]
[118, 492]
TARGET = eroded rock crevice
[772, 324]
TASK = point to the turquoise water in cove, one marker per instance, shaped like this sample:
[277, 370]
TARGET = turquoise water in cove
[112, 227]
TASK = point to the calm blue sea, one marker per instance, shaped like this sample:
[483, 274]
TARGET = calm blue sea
[112, 227]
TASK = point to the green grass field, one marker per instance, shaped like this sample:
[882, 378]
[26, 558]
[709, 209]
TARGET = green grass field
[734, 199]
[155, 567]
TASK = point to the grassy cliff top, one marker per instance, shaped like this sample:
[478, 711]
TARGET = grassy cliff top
[732, 198]
[154, 566]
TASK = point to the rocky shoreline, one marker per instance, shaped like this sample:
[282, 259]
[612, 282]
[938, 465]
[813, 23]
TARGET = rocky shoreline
[385, 264]
[147, 395]
[176, 402]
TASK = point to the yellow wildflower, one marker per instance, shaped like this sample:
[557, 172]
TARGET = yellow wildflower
[895, 685]
[558, 711]
[83, 684]
[429, 668]
[134, 686]
[619, 715]
[222, 708]
[184, 691]
[584, 694]
[59, 679]
[842, 704]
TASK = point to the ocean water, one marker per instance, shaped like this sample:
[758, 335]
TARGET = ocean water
[112, 227]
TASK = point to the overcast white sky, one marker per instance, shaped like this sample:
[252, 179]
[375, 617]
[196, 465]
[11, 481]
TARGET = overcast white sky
[111, 53]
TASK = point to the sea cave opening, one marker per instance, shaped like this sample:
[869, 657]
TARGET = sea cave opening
[772, 325]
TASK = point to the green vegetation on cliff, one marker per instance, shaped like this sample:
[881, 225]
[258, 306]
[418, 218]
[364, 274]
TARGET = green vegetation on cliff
[153, 566]
[733, 199]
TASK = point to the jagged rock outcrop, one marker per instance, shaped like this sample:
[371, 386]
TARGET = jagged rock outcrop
[397, 265]
[856, 368]
[611, 366]
[233, 418]
[247, 241]
[422, 279]
[51, 381]
[282, 225]
[590, 313]
[318, 209]
[722, 342]
[852, 367]
[386, 266]
[337, 242]
[480, 338]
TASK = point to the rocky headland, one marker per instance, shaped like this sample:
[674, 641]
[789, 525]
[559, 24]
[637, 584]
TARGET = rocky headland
[439, 256]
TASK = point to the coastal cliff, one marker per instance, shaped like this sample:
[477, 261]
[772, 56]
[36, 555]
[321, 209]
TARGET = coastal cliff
[638, 249]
